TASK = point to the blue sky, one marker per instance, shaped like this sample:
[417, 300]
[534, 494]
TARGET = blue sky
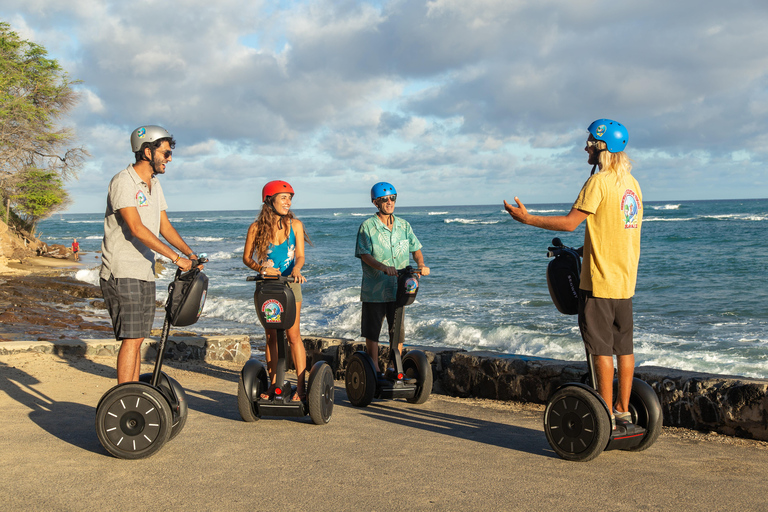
[454, 102]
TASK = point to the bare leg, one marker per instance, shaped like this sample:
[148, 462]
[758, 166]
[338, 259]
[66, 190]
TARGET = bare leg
[129, 360]
[626, 366]
[271, 355]
[298, 352]
[604, 370]
[372, 347]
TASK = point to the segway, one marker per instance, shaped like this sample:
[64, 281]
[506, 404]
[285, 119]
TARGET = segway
[276, 309]
[135, 419]
[577, 421]
[408, 377]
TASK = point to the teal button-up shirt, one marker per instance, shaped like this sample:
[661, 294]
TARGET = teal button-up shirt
[392, 248]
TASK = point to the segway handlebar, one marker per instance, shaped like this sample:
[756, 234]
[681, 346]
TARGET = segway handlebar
[264, 277]
[558, 246]
[202, 259]
[408, 270]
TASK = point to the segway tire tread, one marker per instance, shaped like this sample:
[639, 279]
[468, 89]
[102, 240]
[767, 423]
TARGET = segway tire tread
[320, 395]
[244, 404]
[416, 366]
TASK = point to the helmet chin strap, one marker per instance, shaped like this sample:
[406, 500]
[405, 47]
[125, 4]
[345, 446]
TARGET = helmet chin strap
[593, 170]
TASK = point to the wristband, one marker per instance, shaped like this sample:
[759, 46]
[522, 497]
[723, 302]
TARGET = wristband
[178, 256]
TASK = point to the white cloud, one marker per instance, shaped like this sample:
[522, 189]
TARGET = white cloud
[468, 96]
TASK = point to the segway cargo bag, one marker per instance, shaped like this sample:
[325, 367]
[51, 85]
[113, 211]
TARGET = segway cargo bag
[563, 276]
[275, 304]
[186, 298]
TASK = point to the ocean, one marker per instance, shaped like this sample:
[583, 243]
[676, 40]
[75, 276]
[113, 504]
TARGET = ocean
[700, 304]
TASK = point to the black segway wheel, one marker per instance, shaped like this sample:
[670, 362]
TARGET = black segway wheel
[176, 397]
[320, 395]
[576, 424]
[360, 380]
[244, 403]
[181, 408]
[133, 421]
[646, 412]
[416, 366]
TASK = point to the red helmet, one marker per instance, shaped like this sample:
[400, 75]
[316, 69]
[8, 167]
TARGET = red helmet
[275, 187]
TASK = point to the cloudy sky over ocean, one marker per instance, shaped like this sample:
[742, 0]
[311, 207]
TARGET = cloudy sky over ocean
[453, 101]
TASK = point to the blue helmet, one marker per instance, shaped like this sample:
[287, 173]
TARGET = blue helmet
[613, 133]
[382, 189]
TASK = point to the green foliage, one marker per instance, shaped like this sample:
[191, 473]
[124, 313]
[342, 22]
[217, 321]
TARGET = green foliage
[35, 93]
[39, 194]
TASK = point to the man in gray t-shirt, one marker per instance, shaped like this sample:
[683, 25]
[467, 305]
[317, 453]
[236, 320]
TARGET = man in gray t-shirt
[135, 216]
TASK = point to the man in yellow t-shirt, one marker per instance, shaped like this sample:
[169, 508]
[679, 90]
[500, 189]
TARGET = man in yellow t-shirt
[612, 204]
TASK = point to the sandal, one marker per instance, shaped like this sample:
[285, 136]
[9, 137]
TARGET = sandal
[269, 394]
[298, 397]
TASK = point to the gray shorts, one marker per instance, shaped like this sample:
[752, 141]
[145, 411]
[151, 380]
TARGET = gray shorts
[606, 325]
[131, 306]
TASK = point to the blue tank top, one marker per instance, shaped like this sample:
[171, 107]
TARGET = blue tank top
[282, 257]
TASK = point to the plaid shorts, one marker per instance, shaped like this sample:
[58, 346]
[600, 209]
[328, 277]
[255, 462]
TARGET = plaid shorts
[131, 305]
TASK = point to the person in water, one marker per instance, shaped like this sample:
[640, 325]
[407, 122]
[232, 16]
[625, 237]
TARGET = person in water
[274, 246]
[611, 203]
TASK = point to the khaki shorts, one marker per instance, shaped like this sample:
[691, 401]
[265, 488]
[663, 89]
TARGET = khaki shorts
[296, 289]
[606, 325]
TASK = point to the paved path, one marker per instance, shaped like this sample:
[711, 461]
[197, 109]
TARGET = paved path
[447, 454]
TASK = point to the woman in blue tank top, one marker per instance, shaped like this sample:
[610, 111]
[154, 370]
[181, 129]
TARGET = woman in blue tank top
[275, 246]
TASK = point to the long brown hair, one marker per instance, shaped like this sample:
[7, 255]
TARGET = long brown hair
[268, 225]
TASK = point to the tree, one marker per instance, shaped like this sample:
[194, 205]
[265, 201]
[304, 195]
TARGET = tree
[39, 194]
[35, 92]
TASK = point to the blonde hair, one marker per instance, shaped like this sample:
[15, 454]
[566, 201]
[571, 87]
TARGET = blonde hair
[617, 163]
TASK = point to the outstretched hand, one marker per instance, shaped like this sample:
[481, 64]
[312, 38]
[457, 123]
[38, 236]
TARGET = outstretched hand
[519, 213]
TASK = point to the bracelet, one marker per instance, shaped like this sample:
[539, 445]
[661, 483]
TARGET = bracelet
[178, 256]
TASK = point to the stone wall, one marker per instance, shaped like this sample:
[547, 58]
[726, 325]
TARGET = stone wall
[729, 405]
[178, 348]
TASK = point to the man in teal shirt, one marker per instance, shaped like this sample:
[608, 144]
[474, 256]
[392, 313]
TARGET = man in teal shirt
[384, 243]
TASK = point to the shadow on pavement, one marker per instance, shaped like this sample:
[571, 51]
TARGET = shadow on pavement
[482, 431]
[71, 422]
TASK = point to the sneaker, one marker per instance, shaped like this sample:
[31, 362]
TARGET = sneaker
[623, 416]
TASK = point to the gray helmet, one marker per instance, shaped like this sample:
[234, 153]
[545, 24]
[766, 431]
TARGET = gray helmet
[149, 133]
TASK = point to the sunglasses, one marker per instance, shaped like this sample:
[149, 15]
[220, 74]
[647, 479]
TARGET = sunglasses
[386, 199]
[592, 143]
[166, 154]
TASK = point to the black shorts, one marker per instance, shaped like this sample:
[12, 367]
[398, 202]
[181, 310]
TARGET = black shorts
[606, 325]
[373, 319]
[131, 306]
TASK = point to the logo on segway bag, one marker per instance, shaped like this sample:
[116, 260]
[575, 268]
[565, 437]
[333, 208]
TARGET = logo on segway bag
[411, 285]
[272, 310]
